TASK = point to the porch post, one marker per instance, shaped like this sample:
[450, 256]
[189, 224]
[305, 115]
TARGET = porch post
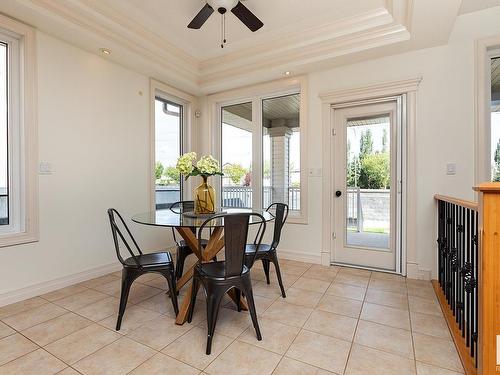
[280, 170]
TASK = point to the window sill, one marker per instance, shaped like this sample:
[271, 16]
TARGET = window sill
[13, 239]
[297, 218]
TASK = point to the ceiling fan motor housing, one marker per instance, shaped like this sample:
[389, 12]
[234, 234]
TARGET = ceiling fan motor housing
[222, 4]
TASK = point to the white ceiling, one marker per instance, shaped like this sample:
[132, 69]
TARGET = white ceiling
[151, 36]
[469, 6]
[169, 20]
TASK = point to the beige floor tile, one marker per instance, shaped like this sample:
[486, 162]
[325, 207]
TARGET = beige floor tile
[350, 279]
[120, 357]
[297, 268]
[134, 317]
[54, 329]
[5, 330]
[21, 306]
[321, 351]
[289, 366]
[140, 292]
[80, 344]
[430, 325]
[363, 361]
[276, 337]
[321, 273]
[346, 291]
[380, 297]
[160, 303]
[326, 323]
[161, 364]
[388, 286]
[388, 277]
[260, 288]
[112, 287]
[340, 305]
[261, 304]
[393, 340]
[355, 272]
[425, 369]
[64, 292]
[190, 348]
[159, 332]
[287, 313]
[79, 300]
[230, 323]
[422, 290]
[287, 278]
[93, 283]
[311, 285]
[68, 371]
[302, 297]
[158, 282]
[34, 316]
[38, 362]
[435, 351]
[242, 359]
[424, 306]
[14, 346]
[101, 309]
[149, 277]
[386, 315]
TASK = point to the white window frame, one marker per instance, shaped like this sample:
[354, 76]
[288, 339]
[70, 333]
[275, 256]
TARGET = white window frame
[164, 91]
[256, 94]
[22, 125]
[486, 49]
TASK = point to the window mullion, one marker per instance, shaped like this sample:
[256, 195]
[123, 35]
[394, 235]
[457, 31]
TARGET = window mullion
[257, 154]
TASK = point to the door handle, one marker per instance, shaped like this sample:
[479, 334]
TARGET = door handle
[338, 193]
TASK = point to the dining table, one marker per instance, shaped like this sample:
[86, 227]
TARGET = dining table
[187, 225]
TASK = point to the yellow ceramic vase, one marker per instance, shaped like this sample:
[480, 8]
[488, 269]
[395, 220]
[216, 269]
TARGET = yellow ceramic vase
[204, 198]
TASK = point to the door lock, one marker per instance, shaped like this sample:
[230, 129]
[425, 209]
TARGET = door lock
[338, 193]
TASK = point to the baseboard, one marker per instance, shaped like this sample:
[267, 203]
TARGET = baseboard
[50, 286]
[413, 271]
[299, 256]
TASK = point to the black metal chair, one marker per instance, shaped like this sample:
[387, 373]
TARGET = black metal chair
[138, 264]
[183, 250]
[267, 253]
[218, 278]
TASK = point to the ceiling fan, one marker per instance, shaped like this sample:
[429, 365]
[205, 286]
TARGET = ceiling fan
[236, 7]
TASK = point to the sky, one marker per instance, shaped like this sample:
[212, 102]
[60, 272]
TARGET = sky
[495, 134]
[3, 118]
[354, 137]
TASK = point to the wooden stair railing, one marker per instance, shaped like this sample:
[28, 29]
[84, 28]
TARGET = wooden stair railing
[468, 285]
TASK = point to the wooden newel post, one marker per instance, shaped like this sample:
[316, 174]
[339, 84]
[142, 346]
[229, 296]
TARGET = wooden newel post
[489, 278]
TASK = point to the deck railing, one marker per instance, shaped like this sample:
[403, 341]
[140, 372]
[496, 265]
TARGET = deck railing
[468, 285]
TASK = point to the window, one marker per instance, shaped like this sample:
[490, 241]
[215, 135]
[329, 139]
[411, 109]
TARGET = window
[18, 152]
[260, 142]
[168, 147]
[495, 119]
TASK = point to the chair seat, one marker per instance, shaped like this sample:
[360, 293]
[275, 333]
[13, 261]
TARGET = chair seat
[216, 270]
[183, 243]
[150, 260]
[263, 248]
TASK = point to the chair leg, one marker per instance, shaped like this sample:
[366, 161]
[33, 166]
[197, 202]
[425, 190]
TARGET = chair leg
[265, 265]
[214, 297]
[179, 263]
[195, 285]
[247, 289]
[126, 284]
[274, 259]
[170, 276]
[238, 298]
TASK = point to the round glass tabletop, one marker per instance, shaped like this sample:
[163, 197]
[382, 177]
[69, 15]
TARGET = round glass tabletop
[168, 218]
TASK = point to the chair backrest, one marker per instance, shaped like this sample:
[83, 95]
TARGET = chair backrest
[280, 216]
[180, 207]
[121, 234]
[235, 238]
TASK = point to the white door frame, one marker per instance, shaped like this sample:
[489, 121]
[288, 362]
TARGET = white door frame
[409, 258]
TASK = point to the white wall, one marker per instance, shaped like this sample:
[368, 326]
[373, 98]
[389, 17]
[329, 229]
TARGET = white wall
[445, 127]
[93, 125]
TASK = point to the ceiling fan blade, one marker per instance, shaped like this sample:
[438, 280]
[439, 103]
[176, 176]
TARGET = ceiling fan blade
[201, 17]
[247, 17]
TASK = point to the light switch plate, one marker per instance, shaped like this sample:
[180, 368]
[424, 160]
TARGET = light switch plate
[451, 169]
[45, 168]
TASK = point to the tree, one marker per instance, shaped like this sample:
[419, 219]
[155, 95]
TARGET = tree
[235, 172]
[384, 140]
[353, 171]
[172, 175]
[365, 144]
[496, 157]
[248, 179]
[158, 170]
[375, 171]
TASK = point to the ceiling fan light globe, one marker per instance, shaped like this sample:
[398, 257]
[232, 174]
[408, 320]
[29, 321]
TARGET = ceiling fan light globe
[226, 4]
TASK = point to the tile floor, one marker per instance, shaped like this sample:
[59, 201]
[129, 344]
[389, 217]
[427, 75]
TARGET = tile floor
[333, 321]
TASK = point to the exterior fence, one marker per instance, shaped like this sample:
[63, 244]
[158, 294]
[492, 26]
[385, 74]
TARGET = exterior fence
[368, 208]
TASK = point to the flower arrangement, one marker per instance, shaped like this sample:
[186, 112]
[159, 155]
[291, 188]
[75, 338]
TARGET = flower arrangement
[205, 167]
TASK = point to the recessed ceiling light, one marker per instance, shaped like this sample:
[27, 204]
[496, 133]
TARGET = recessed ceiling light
[287, 73]
[105, 51]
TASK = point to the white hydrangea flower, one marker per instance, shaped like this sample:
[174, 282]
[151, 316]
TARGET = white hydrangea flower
[208, 165]
[185, 163]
